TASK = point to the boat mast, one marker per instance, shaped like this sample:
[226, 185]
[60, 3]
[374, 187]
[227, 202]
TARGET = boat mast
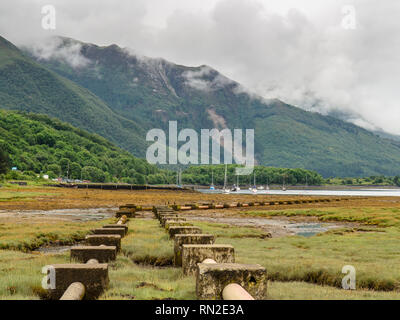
[226, 166]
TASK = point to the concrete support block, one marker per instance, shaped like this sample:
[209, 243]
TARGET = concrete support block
[159, 215]
[93, 276]
[161, 218]
[211, 279]
[120, 231]
[101, 253]
[125, 226]
[129, 214]
[107, 240]
[170, 223]
[181, 239]
[128, 205]
[171, 219]
[183, 229]
[163, 209]
[192, 254]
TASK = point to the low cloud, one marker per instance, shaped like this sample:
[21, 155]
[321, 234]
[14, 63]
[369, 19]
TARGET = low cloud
[58, 49]
[294, 50]
[206, 79]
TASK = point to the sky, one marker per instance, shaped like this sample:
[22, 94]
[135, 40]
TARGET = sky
[331, 56]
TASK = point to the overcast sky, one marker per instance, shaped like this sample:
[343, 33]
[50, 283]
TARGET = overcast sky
[296, 50]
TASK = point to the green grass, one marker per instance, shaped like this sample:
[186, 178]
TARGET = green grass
[28, 236]
[20, 273]
[20, 194]
[307, 291]
[297, 267]
[148, 243]
[382, 217]
[145, 282]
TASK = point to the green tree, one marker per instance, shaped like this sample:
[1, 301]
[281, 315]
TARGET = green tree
[4, 162]
[93, 174]
[65, 166]
[75, 170]
[55, 168]
[45, 137]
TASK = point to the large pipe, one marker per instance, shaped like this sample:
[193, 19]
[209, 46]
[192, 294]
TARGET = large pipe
[122, 220]
[92, 261]
[75, 291]
[209, 261]
[234, 291]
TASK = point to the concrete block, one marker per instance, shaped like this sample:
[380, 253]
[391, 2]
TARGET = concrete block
[171, 219]
[181, 239]
[162, 209]
[93, 276]
[100, 253]
[170, 223]
[166, 217]
[125, 226]
[166, 213]
[211, 279]
[120, 231]
[106, 239]
[182, 229]
[129, 205]
[192, 254]
[129, 214]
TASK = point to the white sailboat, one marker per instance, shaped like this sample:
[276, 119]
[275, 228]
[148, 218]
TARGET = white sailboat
[254, 188]
[283, 185]
[212, 180]
[225, 190]
[236, 187]
[179, 179]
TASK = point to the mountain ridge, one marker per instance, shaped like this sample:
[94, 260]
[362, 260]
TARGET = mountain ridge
[152, 91]
[28, 86]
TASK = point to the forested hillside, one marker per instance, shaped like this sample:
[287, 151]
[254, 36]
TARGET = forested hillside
[28, 86]
[41, 144]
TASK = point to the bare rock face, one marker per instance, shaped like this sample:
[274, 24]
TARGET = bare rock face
[211, 279]
[181, 239]
[192, 254]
